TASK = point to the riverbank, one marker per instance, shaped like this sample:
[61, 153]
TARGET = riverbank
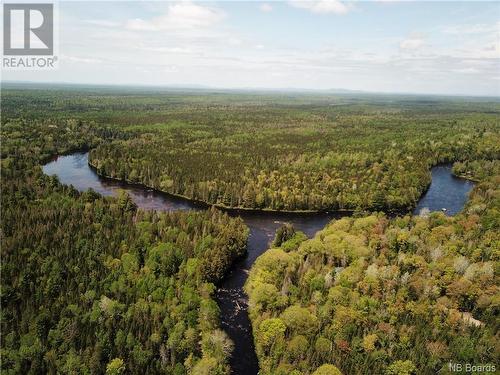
[218, 205]
[243, 210]
[239, 209]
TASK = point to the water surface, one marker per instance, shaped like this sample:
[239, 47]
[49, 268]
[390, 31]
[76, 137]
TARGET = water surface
[74, 170]
[447, 193]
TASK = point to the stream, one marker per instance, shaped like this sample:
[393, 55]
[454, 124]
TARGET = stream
[446, 193]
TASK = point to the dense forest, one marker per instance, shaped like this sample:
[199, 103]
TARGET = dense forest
[379, 295]
[330, 158]
[274, 151]
[94, 285]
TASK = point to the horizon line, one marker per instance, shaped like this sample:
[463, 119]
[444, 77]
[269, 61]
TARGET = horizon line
[202, 87]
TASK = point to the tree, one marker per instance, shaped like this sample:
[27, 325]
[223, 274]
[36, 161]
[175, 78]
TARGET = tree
[217, 344]
[400, 367]
[369, 342]
[299, 319]
[327, 369]
[284, 233]
[125, 202]
[270, 331]
[205, 366]
[115, 367]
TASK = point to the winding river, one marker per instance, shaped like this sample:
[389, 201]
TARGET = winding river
[446, 192]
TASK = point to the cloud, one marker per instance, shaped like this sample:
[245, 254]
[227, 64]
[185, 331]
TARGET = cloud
[322, 6]
[171, 69]
[266, 8]
[179, 16]
[491, 51]
[174, 50]
[466, 70]
[486, 52]
[77, 59]
[103, 23]
[189, 43]
[480, 28]
[233, 41]
[412, 43]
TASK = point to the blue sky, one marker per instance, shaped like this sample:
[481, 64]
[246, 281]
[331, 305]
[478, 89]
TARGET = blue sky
[450, 47]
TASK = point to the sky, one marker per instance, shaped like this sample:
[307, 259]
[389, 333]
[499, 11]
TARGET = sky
[428, 47]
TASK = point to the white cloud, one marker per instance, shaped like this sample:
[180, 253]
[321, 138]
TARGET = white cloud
[466, 70]
[322, 6]
[103, 23]
[78, 59]
[233, 41]
[173, 50]
[179, 16]
[412, 43]
[266, 8]
[171, 69]
[472, 29]
[490, 51]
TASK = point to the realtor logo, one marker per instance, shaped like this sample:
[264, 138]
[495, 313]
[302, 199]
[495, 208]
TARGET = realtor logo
[28, 36]
[28, 29]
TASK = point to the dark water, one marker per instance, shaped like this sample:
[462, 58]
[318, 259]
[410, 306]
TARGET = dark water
[231, 298]
[445, 192]
[74, 170]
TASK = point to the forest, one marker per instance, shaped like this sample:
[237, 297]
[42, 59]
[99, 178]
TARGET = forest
[379, 295]
[330, 158]
[93, 285]
[284, 152]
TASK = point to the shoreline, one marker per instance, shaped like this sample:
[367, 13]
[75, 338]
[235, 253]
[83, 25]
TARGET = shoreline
[247, 210]
[200, 203]
[220, 206]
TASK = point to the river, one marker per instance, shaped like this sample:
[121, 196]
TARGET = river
[446, 192]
